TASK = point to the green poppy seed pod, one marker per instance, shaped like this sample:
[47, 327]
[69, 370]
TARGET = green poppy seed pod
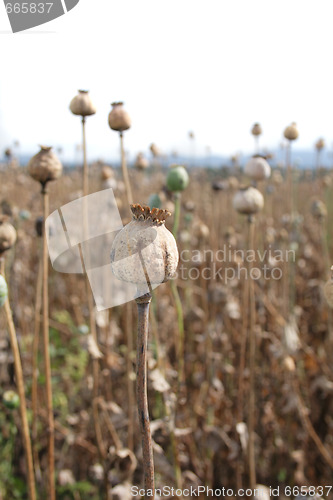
[11, 400]
[154, 201]
[177, 179]
[7, 234]
[248, 201]
[81, 104]
[256, 129]
[328, 290]
[141, 163]
[145, 250]
[45, 166]
[119, 119]
[257, 168]
[3, 290]
[291, 132]
[318, 209]
[320, 144]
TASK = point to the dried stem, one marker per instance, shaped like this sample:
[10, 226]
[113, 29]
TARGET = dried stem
[20, 389]
[309, 427]
[35, 346]
[92, 324]
[47, 362]
[242, 359]
[251, 448]
[178, 303]
[125, 171]
[141, 392]
[85, 163]
[130, 385]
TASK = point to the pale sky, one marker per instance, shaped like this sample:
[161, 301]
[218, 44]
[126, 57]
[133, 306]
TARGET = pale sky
[213, 66]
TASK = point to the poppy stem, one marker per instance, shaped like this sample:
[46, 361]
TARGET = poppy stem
[141, 392]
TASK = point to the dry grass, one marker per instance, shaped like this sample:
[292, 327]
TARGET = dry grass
[208, 447]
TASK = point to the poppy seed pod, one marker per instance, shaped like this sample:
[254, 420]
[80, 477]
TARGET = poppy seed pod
[291, 132]
[39, 226]
[3, 290]
[45, 166]
[119, 119]
[219, 185]
[154, 201]
[320, 144]
[145, 250]
[277, 177]
[106, 173]
[141, 163]
[318, 209]
[177, 179]
[233, 183]
[7, 234]
[248, 201]
[154, 150]
[256, 129]
[81, 104]
[257, 168]
[11, 400]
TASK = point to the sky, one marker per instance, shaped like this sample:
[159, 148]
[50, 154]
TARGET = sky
[213, 67]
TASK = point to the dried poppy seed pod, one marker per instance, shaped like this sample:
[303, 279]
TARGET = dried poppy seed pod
[257, 168]
[119, 119]
[320, 144]
[177, 179]
[233, 183]
[7, 234]
[318, 209]
[328, 290]
[106, 173]
[289, 364]
[45, 166]
[277, 177]
[3, 290]
[39, 226]
[82, 105]
[145, 239]
[219, 185]
[256, 129]
[248, 201]
[291, 132]
[155, 151]
[141, 163]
